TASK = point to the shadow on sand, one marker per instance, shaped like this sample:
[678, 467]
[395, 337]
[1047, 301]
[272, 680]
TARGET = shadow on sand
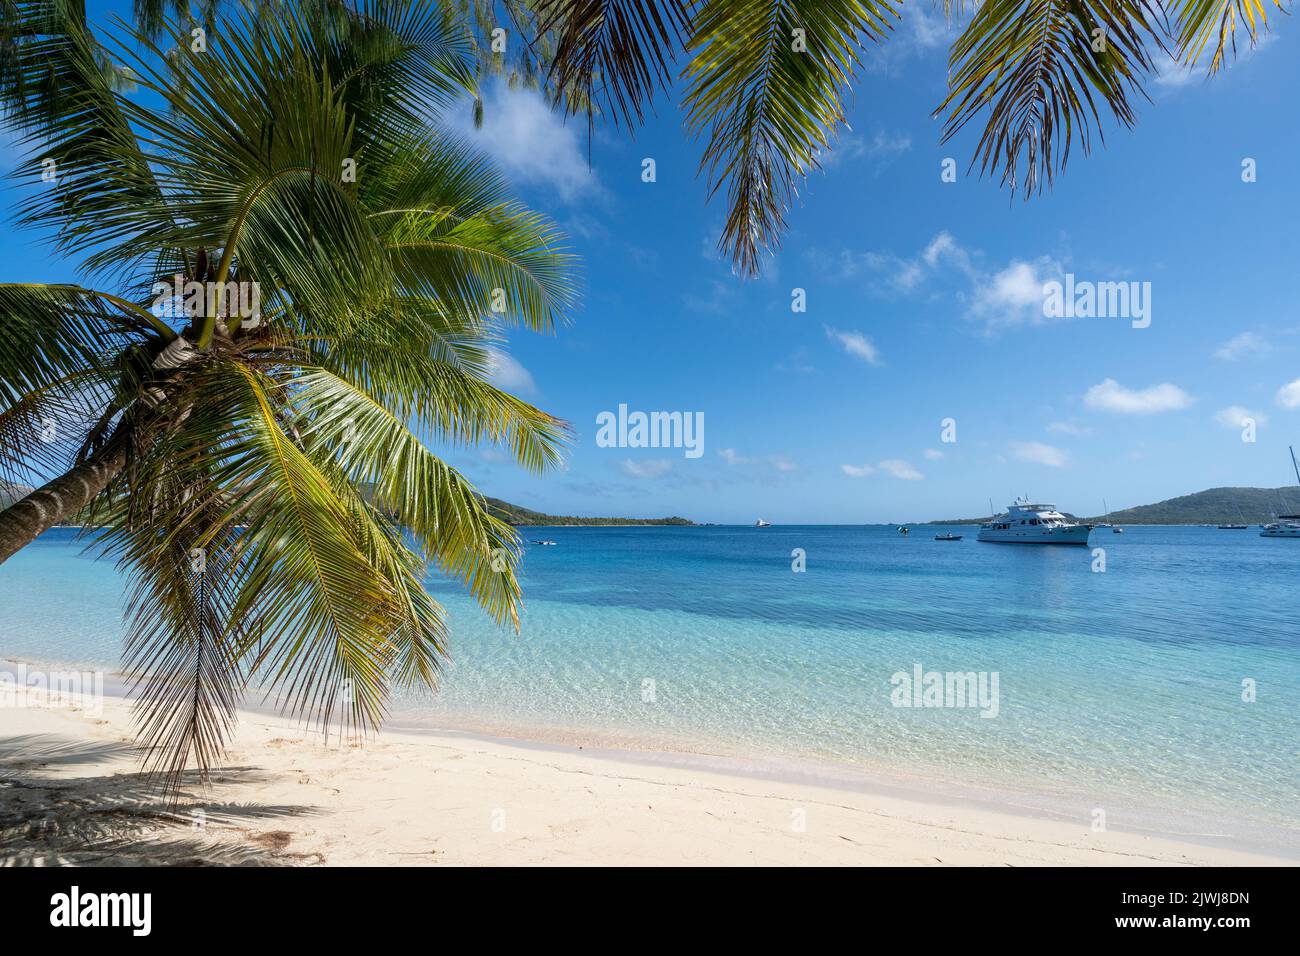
[123, 819]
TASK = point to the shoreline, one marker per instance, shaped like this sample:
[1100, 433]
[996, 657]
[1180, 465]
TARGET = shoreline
[906, 819]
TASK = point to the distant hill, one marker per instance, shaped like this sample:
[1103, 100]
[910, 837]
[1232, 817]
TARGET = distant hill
[10, 492]
[514, 514]
[517, 515]
[1214, 506]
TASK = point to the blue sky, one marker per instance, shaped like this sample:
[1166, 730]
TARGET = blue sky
[923, 303]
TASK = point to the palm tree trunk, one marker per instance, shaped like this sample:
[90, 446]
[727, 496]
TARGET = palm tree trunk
[58, 500]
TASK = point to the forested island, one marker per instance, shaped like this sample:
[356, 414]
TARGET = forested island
[517, 515]
[1213, 506]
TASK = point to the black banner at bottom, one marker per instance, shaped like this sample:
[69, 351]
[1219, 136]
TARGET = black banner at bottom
[1219, 906]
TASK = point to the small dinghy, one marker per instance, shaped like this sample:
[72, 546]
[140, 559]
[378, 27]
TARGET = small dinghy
[543, 543]
[947, 537]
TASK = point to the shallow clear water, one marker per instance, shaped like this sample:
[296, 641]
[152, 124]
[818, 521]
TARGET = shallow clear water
[1122, 687]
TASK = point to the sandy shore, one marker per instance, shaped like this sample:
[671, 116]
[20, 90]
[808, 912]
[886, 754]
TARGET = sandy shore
[70, 793]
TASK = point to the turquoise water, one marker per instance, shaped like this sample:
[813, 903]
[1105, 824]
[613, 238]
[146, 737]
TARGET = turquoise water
[1119, 689]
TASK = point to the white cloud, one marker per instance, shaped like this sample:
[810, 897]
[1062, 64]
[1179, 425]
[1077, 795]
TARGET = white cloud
[529, 142]
[1066, 428]
[797, 362]
[881, 147]
[857, 471]
[941, 246]
[1173, 74]
[856, 344]
[933, 454]
[646, 467]
[1040, 454]
[1111, 396]
[1234, 416]
[907, 275]
[504, 372]
[1014, 295]
[899, 274]
[718, 301]
[1288, 396]
[783, 463]
[919, 34]
[893, 467]
[897, 468]
[1241, 346]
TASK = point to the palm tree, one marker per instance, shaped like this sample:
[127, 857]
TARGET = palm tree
[261, 474]
[766, 80]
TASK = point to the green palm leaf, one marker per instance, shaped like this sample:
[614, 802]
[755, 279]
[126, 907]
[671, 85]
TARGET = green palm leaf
[614, 52]
[1045, 70]
[1198, 22]
[449, 519]
[768, 98]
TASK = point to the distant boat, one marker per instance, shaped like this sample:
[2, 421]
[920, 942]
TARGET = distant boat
[760, 523]
[903, 530]
[1106, 524]
[1236, 527]
[543, 543]
[1028, 523]
[947, 537]
[1286, 526]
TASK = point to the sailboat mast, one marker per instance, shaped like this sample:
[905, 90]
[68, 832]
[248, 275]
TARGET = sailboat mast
[1294, 465]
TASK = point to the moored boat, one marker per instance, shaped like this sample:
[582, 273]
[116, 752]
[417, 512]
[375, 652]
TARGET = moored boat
[1029, 523]
[1286, 526]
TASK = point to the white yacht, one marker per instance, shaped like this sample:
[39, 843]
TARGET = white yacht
[1286, 526]
[760, 523]
[1028, 523]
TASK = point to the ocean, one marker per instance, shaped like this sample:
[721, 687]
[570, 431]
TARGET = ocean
[1160, 694]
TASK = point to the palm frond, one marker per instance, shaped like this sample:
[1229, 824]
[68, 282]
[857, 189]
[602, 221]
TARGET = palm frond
[441, 398]
[448, 518]
[767, 81]
[50, 428]
[615, 52]
[55, 331]
[1213, 23]
[393, 63]
[1045, 70]
[270, 185]
[455, 238]
[56, 89]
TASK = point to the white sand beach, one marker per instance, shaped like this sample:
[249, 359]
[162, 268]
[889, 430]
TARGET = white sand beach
[70, 792]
